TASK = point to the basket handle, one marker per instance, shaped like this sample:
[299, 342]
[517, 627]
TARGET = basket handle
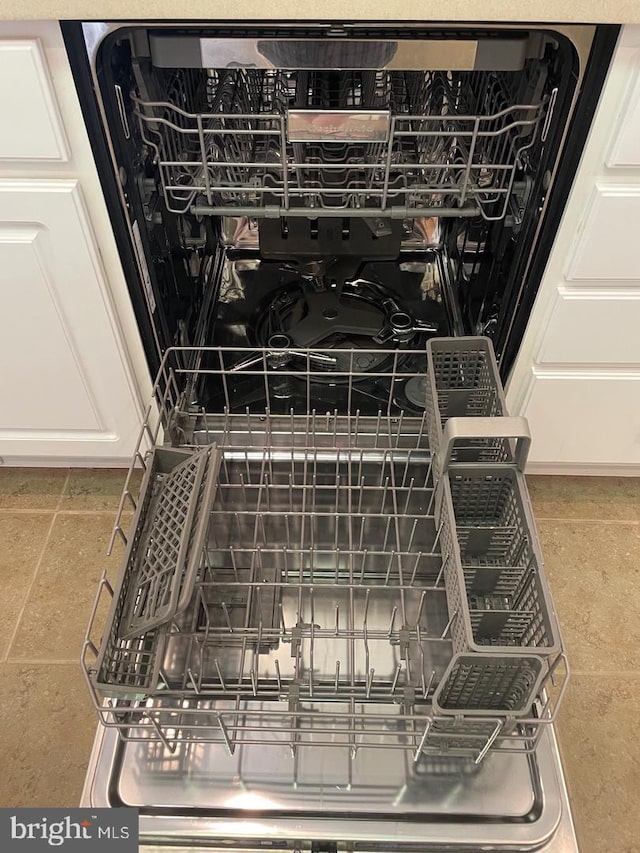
[516, 428]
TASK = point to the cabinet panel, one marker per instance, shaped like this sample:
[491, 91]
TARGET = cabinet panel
[585, 419]
[607, 247]
[64, 386]
[30, 128]
[625, 147]
[42, 382]
[593, 327]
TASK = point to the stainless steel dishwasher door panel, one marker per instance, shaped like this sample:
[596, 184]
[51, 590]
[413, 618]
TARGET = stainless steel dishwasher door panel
[387, 783]
[201, 796]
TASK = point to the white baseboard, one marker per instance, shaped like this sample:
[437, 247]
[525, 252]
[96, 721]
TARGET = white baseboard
[584, 469]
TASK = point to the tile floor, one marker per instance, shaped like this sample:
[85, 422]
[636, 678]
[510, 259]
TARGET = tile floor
[54, 528]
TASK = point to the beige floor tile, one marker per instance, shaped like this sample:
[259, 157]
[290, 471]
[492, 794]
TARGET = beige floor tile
[22, 537]
[47, 727]
[594, 570]
[31, 488]
[599, 731]
[55, 618]
[601, 498]
[96, 489]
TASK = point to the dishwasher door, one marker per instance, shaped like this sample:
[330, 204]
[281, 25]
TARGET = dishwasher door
[200, 797]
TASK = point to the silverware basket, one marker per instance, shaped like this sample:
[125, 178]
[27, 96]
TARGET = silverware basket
[162, 559]
[497, 594]
[481, 684]
[463, 382]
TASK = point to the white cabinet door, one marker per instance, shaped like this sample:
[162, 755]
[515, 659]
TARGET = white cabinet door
[65, 390]
[593, 326]
[606, 246]
[31, 128]
[585, 415]
[625, 149]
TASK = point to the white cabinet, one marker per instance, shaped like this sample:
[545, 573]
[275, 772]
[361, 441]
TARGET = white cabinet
[72, 372]
[589, 420]
[625, 146]
[63, 385]
[577, 376]
[589, 326]
[31, 128]
[607, 245]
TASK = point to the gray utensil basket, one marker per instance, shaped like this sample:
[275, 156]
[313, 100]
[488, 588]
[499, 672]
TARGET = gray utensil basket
[463, 382]
[504, 630]
[164, 553]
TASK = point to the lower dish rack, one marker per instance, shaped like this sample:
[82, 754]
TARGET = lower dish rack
[318, 612]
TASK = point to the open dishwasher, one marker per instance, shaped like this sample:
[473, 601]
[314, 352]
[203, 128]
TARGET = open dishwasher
[331, 629]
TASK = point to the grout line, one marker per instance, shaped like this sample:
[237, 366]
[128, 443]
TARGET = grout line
[111, 511]
[30, 587]
[64, 489]
[47, 510]
[567, 520]
[616, 673]
[56, 511]
[41, 661]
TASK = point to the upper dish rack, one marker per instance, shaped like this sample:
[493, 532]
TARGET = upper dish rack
[371, 143]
